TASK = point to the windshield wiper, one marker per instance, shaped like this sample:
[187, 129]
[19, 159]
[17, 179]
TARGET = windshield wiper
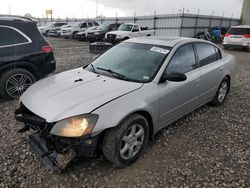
[115, 74]
[94, 69]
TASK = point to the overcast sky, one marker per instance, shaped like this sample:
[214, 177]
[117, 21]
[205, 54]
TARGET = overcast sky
[109, 8]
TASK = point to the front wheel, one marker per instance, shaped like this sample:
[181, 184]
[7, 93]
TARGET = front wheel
[13, 83]
[222, 92]
[124, 144]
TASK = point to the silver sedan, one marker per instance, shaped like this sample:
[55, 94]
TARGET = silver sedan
[123, 98]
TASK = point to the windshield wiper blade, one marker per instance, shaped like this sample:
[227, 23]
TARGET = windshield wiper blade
[116, 74]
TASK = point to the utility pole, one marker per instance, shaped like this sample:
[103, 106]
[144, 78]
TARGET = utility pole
[96, 8]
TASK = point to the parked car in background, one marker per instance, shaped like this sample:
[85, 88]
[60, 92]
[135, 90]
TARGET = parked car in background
[81, 36]
[72, 31]
[99, 33]
[52, 25]
[238, 36]
[123, 98]
[25, 56]
[56, 32]
[127, 31]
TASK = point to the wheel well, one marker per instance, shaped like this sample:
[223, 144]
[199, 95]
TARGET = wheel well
[150, 123]
[148, 35]
[229, 79]
[25, 66]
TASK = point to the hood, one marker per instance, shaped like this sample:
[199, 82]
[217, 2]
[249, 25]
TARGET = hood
[118, 32]
[73, 93]
[41, 27]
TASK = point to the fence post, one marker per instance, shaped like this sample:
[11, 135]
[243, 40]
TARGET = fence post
[211, 18]
[196, 23]
[154, 27]
[230, 23]
[222, 19]
[182, 19]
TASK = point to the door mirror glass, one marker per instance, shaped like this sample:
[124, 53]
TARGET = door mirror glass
[174, 77]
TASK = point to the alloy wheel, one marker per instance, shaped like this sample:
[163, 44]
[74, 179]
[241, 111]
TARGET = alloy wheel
[132, 141]
[17, 84]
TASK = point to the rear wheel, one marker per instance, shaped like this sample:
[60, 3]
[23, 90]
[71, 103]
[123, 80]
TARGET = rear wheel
[122, 145]
[222, 92]
[14, 82]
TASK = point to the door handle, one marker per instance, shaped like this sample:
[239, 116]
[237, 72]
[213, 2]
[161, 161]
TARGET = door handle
[221, 69]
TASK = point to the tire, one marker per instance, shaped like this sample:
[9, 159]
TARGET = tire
[114, 141]
[222, 92]
[225, 48]
[12, 83]
[46, 33]
[74, 35]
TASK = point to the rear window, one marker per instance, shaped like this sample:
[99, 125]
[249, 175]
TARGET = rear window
[9, 36]
[239, 31]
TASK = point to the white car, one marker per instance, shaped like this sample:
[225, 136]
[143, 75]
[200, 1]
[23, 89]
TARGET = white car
[52, 25]
[127, 31]
[123, 98]
[238, 36]
[72, 31]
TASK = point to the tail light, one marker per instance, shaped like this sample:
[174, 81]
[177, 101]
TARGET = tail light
[47, 49]
[247, 35]
[227, 35]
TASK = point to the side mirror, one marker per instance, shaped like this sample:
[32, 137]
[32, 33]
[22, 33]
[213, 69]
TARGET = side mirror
[174, 77]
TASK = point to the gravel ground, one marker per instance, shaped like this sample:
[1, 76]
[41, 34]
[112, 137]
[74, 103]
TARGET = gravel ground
[208, 148]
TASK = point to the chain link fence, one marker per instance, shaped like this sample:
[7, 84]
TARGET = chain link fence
[183, 24]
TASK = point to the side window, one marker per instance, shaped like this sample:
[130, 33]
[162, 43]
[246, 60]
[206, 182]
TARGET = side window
[206, 53]
[218, 53]
[96, 24]
[84, 25]
[136, 28]
[90, 24]
[183, 60]
[9, 36]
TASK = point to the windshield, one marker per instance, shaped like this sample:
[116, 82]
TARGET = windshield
[125, 27]
[103, 27]
[50, 25]
[136, 62]
[77, 24]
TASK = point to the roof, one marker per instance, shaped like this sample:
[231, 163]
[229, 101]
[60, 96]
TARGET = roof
[164, 41]
[15, 18]
[241, 26]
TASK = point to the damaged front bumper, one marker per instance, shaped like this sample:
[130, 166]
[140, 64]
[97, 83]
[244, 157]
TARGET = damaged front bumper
[54, 152]
[50, 159]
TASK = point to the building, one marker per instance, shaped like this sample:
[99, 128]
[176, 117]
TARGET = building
[245, 15]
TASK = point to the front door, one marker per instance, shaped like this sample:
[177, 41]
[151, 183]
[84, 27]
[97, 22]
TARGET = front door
[179, 98]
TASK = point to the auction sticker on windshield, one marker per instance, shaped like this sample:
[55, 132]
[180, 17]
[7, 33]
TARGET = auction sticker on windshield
[159, 50]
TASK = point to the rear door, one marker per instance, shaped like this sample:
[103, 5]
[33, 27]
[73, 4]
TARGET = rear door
[211, 67]
[179, 98]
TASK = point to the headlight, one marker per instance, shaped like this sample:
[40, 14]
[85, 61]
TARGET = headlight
[77, 126]
[97, 33]
[118, 36]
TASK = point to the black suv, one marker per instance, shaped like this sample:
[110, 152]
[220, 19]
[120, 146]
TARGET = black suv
[25, 56]
[99, 33]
